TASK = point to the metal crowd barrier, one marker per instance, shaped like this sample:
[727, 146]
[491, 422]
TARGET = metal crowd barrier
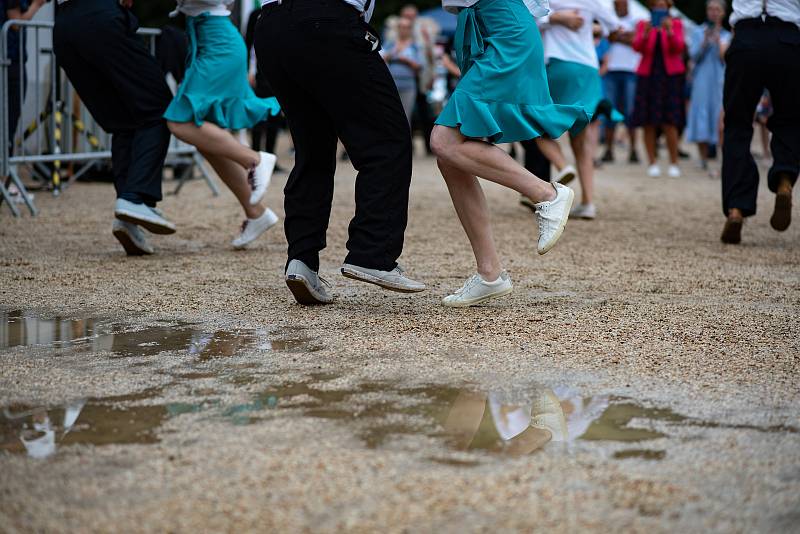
[55, 130]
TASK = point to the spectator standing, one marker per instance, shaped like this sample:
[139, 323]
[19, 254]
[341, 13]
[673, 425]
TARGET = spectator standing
[660, 84]
[764, 53]
[707, 48]
[620, 79]
[405, 62]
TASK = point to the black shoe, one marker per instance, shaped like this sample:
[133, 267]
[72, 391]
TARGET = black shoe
[732, 231]
[683, 155]
[608, 157]
[634, 157]
[782, 216]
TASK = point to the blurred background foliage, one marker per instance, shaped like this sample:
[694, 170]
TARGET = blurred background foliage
[154, 13]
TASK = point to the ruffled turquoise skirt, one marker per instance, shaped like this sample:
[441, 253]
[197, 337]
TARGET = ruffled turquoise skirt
[503, 93]
[574, 83]
[215, 87]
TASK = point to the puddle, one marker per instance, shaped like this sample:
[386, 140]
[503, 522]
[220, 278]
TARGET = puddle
[20, 328]
[380, 415]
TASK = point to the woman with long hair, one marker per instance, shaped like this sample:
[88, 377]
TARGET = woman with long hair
[502, 97]
[216, 96]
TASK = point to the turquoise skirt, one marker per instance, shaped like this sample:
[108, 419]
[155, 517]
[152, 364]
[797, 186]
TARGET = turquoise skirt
[577, 84]
[215, 87]
[503, 93]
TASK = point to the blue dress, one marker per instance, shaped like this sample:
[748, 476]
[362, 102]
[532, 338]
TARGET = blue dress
[503, 93]
[707, 83]
[215, 87]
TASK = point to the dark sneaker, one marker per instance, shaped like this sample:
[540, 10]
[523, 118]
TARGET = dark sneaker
[782, 216]
[732, 231]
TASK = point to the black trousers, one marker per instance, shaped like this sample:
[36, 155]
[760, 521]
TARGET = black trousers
[123, 87]
[17, 87]
[331, 84]
[535, 161]
[762, 55]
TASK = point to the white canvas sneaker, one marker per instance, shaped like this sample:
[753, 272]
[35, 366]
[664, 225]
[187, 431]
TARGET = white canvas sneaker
[552, 217]
[673, 171]
[306, 285]
[476, 290]
[394, 280]
[151, 219]
[654, 171]
[565, 175]
[253, 228]
[131, 238]
[583, 211]
[260, 176]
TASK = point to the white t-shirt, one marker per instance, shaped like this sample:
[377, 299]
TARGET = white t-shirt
[194, 8]
[358, 4]
[786, 10]
[622, 57]
[577, 46]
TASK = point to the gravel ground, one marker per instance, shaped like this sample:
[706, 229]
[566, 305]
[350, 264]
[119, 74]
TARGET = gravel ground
[644, 305]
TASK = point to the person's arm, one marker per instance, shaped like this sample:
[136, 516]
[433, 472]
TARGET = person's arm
[639, 42]
[413, 62]
[698, 45]
[15, 13]
[450, 65]
[608, 19]
[675, 39]
[571, 18]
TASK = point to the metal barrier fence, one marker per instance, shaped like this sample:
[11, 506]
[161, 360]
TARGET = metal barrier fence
[53, 128]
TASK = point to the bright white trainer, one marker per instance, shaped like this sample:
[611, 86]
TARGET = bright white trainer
[583, 211]
[547, 414]
[260, 176]
[552, 216]
[306, 285]
[394, 280]
[131, 238]
[253, 228]
[476, 290]
[673, 171]
[565, 175]
[151, 219]
[654, 171]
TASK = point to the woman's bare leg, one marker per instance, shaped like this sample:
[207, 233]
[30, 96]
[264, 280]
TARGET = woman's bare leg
[650, 143]
[671, 133]
[477, 158]
[211, 139]
[235, 177]
[584, 152]
[552, 151]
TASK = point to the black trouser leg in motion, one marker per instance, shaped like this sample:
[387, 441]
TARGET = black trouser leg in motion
[122, 86]
[330, 84]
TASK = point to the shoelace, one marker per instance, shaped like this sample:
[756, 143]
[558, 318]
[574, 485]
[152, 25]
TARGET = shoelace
[468, 284]
[324, 282]
[244, 226]
[251, 177]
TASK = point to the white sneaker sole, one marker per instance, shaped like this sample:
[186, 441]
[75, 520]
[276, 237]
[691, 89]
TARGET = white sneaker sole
[154, 226]
[475, 301]
[129, 244]
[370, 279]
[301, 291]
[256, 196]
[561, 225]
[567, 177]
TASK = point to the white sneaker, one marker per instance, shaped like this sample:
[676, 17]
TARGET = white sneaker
[253, 228]
[547, 414]
[673, 171]
[552, 217]
[565, 175]
[583, 211]
[260, 176]
[151, 219]
[306, 285]
[654, 171]
[394, 280]
[131, 237]
[476, 290]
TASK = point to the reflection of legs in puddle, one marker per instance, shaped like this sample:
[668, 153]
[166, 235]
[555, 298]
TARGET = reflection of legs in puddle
[42, 442]
[465, 417]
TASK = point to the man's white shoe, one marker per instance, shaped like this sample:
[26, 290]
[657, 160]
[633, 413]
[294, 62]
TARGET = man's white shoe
[253, 228]
[654, 171]
[476, 290]
[565, 175]
[260, 176]
[131, 238]
[306, 285]
[673, 171]
[547, 414]
[583, 211]
[151, 219]
[394, 280]
[552, 217]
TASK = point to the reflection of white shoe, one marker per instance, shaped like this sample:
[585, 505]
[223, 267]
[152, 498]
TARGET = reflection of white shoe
[476, 290]
[565, 175]
[552, 217]
[260, 176]
[654, 171]
[253, 228]
[583, 211]
[673, 171]
[547, 414]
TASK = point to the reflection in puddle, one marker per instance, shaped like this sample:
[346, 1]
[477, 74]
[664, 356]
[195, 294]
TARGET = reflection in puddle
[513, 421]
[19, 328]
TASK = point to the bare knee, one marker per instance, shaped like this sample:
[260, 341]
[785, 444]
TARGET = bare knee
[443, 141]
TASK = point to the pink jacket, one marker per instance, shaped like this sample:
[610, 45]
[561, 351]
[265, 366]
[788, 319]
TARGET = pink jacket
[672, 46]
